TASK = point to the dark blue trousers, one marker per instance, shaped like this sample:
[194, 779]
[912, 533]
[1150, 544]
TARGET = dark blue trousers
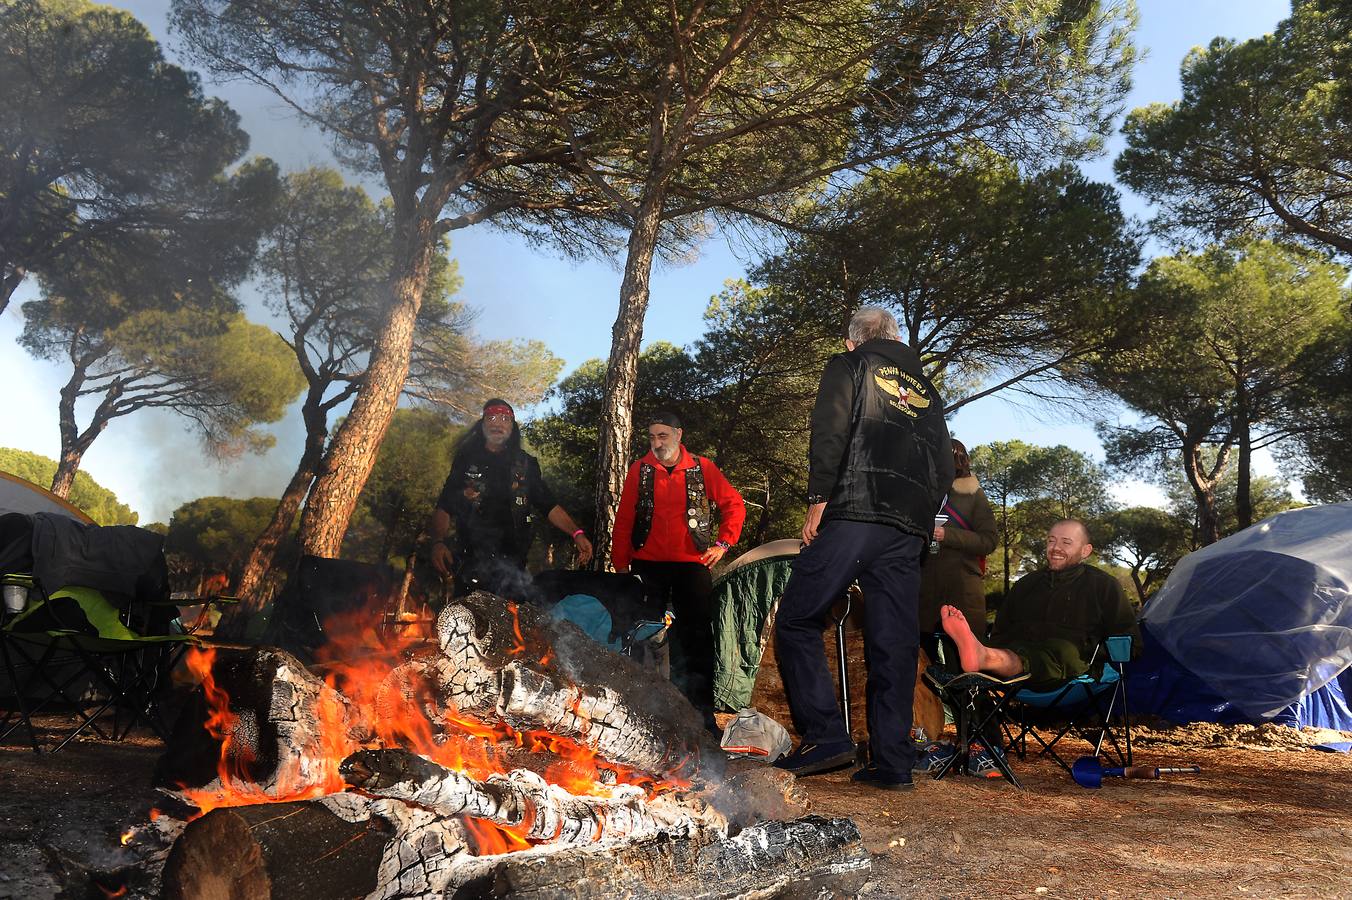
[886, 563]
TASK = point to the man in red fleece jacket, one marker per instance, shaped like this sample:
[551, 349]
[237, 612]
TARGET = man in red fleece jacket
[664, 532]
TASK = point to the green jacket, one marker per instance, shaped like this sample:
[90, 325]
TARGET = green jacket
[1082, 605]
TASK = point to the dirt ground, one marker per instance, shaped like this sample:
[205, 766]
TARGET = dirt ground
[1267, 817]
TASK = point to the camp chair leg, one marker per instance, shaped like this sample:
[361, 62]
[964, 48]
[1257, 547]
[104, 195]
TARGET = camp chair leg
[55, 691]
[129, 683]
[965, 711]
[22, 713]
[1117, 701]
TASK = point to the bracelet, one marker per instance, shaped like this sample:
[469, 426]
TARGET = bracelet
[576, 533]
[724, 544]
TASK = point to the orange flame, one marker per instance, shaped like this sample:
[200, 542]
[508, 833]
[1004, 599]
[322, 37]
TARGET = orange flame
[386, 696]
[489, 838]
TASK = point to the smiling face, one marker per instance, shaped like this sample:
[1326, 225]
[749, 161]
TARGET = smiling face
[666, 443]
[1067, 545]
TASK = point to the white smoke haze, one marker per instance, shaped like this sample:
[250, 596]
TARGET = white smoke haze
[174, 468]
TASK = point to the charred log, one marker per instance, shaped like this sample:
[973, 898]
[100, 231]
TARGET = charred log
[803, 858]
[276, 850]
[507, 661]
[273, 737]
[597, 717]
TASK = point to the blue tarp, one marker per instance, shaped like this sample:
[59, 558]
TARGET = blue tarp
[1160, 686]
[1257, 627]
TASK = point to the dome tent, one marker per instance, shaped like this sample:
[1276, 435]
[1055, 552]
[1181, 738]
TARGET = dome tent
[1262, 619]
[20, 496]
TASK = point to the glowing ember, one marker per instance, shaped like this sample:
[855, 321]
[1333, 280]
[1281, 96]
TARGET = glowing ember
[127, 836]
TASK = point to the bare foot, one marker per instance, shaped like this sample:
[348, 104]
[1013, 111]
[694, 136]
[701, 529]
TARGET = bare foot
[971, 652]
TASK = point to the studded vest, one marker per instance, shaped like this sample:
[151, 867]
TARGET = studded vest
[697, 516]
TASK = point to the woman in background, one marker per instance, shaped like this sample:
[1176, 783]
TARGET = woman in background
[956, 575]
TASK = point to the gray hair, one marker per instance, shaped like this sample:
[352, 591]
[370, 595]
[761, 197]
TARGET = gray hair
[873, 323]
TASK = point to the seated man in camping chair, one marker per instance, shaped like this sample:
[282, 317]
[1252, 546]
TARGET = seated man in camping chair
[1053, 620]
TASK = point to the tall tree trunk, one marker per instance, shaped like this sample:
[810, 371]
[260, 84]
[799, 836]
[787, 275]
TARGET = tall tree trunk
[265, 546]
[1243, 485]
[763, 526]
[13, 277]
[74, 443]
[66, 467]
[1004, 537]
[1204, 490]
[352, 452]
[617, 404]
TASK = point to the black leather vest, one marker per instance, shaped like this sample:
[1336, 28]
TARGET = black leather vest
[697, 517]
[521, 511]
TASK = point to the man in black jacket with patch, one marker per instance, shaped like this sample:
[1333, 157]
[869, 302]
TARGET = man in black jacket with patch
[880, 464]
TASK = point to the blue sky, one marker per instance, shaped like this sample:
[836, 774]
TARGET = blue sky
[154, 465]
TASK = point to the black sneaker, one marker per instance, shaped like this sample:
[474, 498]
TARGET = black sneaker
[887, 781]
[814, 759]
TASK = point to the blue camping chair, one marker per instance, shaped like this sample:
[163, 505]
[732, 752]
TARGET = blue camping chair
[1094, 709]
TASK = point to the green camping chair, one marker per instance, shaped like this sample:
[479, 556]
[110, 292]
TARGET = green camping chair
[76, 650]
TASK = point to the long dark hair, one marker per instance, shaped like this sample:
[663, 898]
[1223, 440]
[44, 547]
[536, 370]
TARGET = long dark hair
[962, 463]
[474, 438]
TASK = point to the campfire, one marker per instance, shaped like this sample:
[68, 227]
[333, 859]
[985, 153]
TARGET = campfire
[506, 754]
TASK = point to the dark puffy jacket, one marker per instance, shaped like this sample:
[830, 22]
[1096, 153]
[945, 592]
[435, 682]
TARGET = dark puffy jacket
[880, 448]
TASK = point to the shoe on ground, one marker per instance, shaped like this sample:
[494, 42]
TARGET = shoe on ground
[814, 759]
[885, 780]
[931, 757]
[981, 761]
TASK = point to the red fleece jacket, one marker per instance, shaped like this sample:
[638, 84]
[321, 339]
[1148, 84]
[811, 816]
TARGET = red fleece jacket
[669, 540]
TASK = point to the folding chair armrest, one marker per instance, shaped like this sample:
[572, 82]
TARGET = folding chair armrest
[1119, 648]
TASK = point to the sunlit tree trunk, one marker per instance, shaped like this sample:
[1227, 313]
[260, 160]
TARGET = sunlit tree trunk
[1204, 490]
[352, 452]
[617, 403]
[75, 443]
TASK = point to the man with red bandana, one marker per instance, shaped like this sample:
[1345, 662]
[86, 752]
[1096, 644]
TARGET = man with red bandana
[664, 533]
[492, 496]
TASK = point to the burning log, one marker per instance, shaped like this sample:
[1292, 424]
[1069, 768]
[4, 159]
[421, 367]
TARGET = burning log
[598, 717]
[538, 811]
[263, 721]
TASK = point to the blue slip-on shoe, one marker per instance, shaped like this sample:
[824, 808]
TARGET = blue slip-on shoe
[933, 756]
[873, 776]
[814, 759]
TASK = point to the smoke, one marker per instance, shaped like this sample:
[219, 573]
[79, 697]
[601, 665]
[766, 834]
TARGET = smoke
[171, 467]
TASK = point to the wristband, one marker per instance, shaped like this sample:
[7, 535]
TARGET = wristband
[723, 544]
[576, 533]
